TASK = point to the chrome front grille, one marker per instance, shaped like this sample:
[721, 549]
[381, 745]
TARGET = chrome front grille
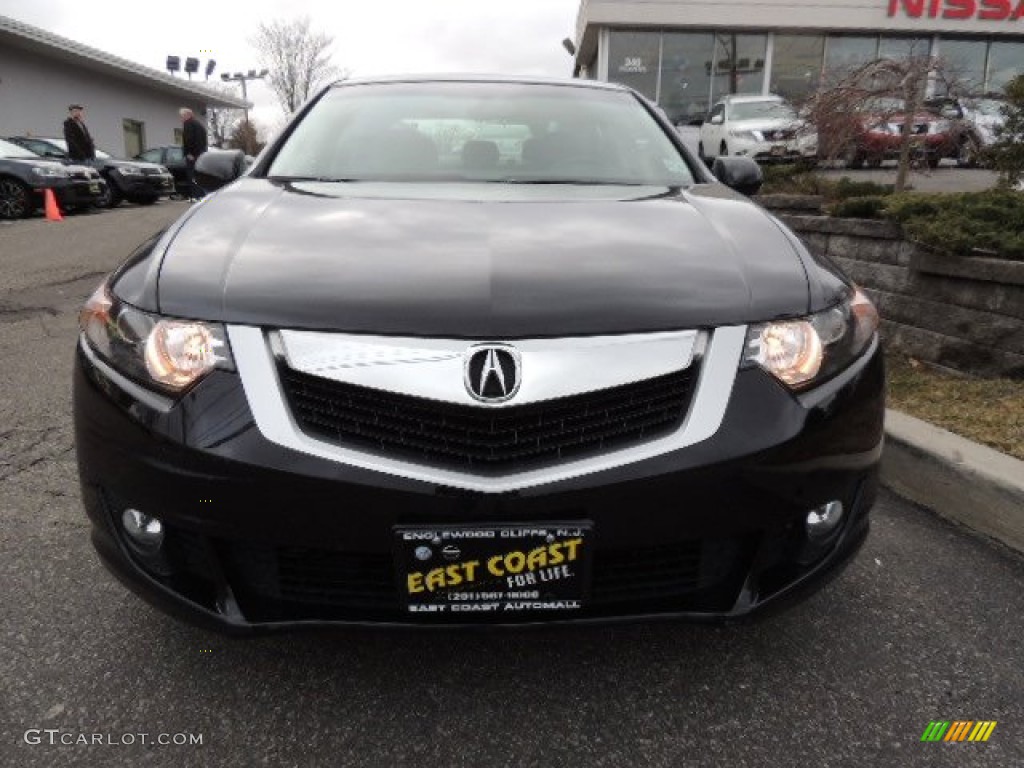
[479, 438]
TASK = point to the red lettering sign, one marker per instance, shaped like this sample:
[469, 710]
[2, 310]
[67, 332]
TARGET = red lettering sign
[913, 8]
[995, 10]
[959, 9]
[985, 10]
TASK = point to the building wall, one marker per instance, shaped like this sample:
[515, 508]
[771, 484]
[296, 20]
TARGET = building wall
[806, 15]
[35, 93]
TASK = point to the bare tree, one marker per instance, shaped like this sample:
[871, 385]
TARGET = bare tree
[298, 58]
[247, 137]
[221, 121]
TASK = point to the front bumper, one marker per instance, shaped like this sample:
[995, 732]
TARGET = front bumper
[261, 536]
[73, 193]
[147, 186]
[783, 151]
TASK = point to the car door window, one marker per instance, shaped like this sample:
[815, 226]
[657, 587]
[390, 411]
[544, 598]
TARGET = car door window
[175, 156]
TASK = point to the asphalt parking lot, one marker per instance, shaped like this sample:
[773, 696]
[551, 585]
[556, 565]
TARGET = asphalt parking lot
[927, 624]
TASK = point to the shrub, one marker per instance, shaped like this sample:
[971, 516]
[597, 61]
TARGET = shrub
[847, 188]
[796, 180]
[991, 221]
[864, 207]
[1007, 154]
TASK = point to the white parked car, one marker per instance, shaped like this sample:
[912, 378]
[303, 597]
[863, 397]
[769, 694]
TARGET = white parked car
[764, 128]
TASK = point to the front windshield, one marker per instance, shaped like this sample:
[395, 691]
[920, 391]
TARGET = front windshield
[761, 110]
[989, 107]
[7, 149]
[883, 105]
[481, 132]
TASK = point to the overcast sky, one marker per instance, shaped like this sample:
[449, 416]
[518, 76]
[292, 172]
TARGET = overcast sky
[370, 36]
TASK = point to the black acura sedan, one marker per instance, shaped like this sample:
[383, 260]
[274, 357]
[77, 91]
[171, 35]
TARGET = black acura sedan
[401, 373]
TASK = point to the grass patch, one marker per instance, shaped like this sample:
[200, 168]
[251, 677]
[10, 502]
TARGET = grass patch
[988, 411]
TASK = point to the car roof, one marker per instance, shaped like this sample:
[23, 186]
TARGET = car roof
[569, 82]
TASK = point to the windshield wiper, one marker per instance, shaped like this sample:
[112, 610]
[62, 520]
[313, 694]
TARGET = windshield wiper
[573, 182]
[328, 179]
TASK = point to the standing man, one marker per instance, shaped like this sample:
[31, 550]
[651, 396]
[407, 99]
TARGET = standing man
[80, 144]
[193, 141]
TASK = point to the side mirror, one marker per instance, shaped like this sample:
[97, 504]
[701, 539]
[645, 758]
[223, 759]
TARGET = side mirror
[717, 119]
[216, 168]
[739, 173]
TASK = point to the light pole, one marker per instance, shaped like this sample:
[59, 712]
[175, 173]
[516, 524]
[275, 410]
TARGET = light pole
[243, 78]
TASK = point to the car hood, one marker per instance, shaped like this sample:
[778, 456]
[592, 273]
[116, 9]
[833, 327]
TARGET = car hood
[776, 124]
[112, 162]
[484, 261]
[28, 163]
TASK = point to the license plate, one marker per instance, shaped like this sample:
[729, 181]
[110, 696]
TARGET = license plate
[497, 570]
[94, 187]
[778, 150]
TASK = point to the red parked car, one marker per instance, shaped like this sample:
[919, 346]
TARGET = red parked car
[874, 134]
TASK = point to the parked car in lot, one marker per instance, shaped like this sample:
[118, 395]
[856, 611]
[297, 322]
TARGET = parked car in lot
[764, 128]
[173, 159]
[874, 134]
[381, 378]
[976, 122]
[142, 183]
[25, 177]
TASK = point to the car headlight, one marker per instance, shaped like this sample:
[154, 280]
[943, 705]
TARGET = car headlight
[799, 352]
[130, 170]
[50, 172]
[166, 353]
[163, 170]
[746, 135]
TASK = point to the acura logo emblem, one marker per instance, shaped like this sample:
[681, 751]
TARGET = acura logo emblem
[493, 372]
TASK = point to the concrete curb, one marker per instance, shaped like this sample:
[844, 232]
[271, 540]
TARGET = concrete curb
[959, 479]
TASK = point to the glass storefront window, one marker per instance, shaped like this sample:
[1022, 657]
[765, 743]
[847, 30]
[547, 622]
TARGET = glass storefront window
[1005, 62]
[737, 64]
[961, 66]
[686, 75]
[633, 60]
[844, 53]
[796, 65]
[904, 47]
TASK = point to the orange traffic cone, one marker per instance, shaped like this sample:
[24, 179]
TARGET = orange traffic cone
[52, 210]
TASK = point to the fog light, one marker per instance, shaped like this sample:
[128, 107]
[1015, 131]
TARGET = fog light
[823, 520]
[144, 531]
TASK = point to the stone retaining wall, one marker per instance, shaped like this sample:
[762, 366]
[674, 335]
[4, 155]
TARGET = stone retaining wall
[960, 312]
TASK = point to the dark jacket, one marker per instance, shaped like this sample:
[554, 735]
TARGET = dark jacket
[193, 137]
[80, 144]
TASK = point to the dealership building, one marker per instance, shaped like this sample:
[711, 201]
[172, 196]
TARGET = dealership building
[129, 107]
[686, 54]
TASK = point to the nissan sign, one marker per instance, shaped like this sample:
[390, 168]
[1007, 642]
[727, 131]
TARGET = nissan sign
[985, 10]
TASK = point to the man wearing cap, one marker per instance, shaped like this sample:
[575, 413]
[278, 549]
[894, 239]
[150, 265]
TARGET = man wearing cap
[80, 144]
